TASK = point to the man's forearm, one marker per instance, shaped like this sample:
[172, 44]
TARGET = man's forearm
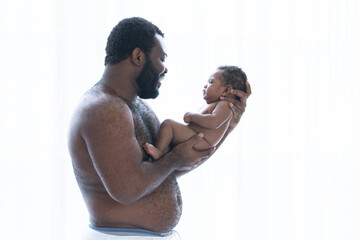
[149, 177]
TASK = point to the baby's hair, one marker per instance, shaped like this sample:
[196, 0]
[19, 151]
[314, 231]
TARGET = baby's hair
[234, 76]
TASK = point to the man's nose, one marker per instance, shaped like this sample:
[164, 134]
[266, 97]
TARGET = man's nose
[165, 71]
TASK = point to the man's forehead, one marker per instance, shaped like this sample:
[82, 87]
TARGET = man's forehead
[160, 43]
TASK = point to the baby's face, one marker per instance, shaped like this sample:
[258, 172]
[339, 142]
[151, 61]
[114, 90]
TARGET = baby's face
[214, 88]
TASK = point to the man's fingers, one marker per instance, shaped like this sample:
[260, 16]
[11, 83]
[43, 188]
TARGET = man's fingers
[237, 109]
[243, 95]
[235, 105]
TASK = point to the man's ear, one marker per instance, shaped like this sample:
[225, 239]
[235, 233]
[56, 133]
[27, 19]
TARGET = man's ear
[227, 90]
[138, 57]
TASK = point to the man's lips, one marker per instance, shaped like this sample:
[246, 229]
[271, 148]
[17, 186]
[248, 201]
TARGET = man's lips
[160, 79]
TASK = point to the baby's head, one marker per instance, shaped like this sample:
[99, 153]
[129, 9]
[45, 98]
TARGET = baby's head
[234, 76]
[223, 81]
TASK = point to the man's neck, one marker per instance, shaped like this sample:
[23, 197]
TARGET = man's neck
[121, 81]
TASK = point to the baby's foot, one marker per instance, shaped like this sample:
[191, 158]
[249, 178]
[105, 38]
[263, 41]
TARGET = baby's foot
[152, 151]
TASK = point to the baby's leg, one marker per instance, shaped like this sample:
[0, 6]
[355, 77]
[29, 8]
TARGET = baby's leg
[170, 132]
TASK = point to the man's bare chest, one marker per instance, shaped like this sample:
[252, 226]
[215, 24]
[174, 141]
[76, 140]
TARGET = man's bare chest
[146, 124]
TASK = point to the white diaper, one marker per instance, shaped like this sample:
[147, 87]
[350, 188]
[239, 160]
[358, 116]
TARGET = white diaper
[96, 233]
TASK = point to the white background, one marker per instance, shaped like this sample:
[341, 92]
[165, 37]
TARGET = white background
[291, 169]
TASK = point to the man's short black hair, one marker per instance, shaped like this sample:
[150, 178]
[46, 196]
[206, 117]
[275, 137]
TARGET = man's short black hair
[234, 76]
[127, 35]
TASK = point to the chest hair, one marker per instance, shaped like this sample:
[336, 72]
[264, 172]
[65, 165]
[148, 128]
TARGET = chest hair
[145, 122]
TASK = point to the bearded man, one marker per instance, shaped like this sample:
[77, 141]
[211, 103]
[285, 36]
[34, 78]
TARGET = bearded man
[125, 191]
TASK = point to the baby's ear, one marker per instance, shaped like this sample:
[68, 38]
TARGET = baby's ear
[227, 90]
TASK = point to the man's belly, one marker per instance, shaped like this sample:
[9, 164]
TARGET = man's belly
[159, 211]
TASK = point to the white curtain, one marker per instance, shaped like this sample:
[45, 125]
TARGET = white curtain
[289, 171]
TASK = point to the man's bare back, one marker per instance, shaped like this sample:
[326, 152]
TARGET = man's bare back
[161, 209]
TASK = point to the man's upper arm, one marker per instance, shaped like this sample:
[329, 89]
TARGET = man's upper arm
[108, 131]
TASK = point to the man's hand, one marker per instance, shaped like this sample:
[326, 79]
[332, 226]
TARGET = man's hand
[238, 106]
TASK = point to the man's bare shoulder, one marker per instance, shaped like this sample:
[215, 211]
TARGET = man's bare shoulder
[101, 109]
[98, 101]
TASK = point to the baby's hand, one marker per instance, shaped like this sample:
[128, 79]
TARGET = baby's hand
[187, 117]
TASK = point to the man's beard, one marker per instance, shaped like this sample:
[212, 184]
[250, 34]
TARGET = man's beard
[147, 81]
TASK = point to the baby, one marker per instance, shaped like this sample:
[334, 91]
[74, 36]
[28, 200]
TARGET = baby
[213, 121]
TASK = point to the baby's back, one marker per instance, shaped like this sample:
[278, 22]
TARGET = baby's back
[224, 115]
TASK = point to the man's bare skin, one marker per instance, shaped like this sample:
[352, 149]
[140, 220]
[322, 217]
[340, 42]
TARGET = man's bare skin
[160, 210]
[120, 184]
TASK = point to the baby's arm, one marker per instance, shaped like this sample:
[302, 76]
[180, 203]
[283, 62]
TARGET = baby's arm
[214, 120]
